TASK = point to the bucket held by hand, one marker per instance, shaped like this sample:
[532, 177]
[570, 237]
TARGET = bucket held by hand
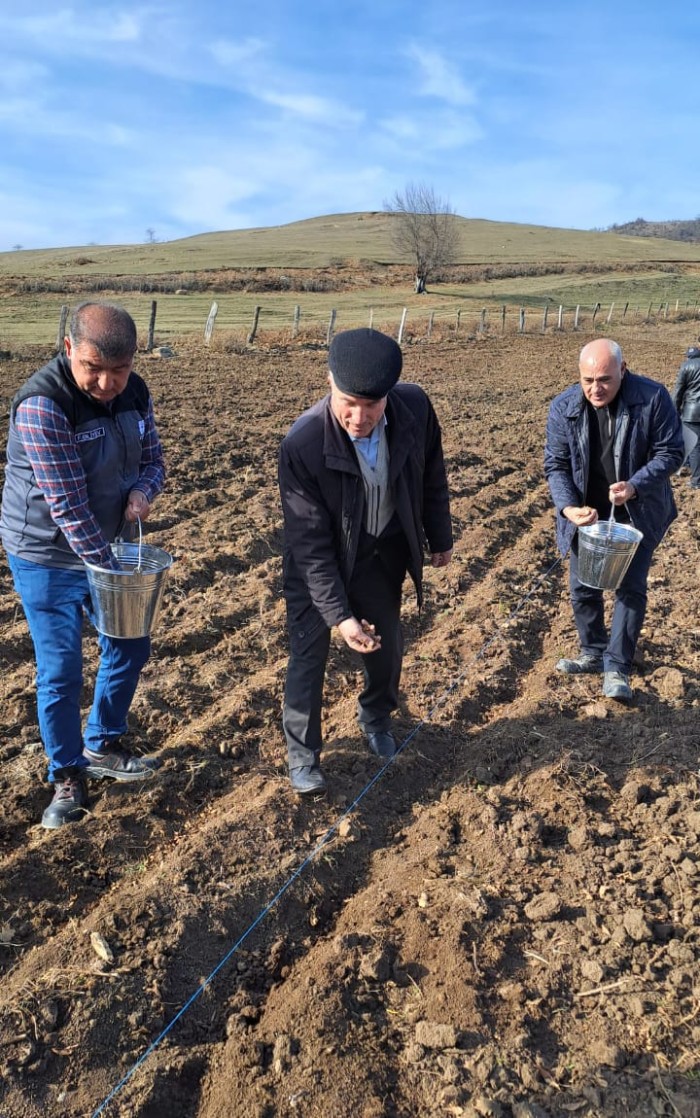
[126, 603]
[605, 551]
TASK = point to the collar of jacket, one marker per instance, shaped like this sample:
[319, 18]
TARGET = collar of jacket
[629, 395]
[401, 428]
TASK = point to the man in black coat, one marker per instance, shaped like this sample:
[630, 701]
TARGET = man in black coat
[686, 397]
[363, 486]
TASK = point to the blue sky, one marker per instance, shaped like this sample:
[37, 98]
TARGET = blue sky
[189, 117]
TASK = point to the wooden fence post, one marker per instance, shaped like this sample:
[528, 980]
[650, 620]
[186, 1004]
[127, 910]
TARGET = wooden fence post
[595, 311]
[665, 310]
[560, 318]
[402, 324]
[482, 321]
[295, 323]
[331, 324]
[503, 319]
[544, 317]
[649, 312]
[254, 327]
[371, 317]
[151, 327]
[625, 310]
[576, 316]
[61, 329]
[521, 323]
[430, 324]
[459, 315]
[209, 328]
[609, 318]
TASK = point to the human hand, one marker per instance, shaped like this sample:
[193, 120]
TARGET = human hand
[441, 558]
[581, 517]
[359, 635]
[621, 492]
[137, 506]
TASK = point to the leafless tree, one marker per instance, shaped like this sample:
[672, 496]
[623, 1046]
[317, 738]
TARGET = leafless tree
[424, 228]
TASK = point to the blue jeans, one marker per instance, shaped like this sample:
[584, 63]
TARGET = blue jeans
[618, 648]
[54, 601]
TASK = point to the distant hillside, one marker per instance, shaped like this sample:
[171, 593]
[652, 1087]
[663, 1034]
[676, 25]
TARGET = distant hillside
[669, 230]
[353, 240]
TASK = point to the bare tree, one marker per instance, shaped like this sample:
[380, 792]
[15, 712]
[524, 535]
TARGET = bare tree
[424, 228]
[150, 236]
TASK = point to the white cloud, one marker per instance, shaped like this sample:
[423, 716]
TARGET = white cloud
[439, 78]
[427, 132]
[226, 52]
[107, 26]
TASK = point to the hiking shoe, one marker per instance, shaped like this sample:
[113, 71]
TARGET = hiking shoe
[307, 780]
[118, 764]
[616, 686]
[69, 804]
[586, 662]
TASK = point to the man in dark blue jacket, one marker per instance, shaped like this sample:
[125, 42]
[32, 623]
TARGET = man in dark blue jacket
[363, 488]
[614, 439]
[84, 462]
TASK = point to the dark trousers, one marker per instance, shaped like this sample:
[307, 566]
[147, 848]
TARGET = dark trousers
[693, 459]
[375, 596]
[618, 648]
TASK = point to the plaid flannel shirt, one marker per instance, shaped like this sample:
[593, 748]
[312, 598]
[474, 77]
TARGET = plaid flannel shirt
[49, 441]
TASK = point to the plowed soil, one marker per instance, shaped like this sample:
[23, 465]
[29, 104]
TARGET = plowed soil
[503, 921]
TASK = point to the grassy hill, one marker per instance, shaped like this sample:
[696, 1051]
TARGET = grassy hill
[323, 241]
[343, 263]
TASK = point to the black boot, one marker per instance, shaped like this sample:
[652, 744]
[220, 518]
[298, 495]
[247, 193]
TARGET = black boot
[307, 780]
[70, 801]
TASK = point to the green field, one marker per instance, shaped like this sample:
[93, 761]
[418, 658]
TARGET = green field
[601, 268]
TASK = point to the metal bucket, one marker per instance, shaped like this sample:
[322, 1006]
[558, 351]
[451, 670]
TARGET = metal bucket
[126, 603]
[605, 551]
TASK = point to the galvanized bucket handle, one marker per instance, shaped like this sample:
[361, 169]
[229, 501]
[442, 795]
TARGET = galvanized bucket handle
[120, 539]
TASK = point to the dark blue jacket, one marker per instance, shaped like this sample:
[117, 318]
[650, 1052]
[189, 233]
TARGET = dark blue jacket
[647, 449]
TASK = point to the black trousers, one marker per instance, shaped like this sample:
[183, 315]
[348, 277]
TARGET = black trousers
[375, 596]
[693, 459]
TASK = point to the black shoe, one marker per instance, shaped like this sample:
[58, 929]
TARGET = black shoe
[308, 780]
[69, 804]
[118, 764]
[382, 744]
[586, 662]
[616, 685]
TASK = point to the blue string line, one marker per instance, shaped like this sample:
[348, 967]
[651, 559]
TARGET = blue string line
[323, 841]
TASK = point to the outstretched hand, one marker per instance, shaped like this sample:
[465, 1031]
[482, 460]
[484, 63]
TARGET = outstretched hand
[359, 635]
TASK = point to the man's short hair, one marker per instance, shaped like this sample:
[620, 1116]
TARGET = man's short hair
[108, 327]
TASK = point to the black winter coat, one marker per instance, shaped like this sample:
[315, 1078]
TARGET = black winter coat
[323, 500]
[686, 391]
